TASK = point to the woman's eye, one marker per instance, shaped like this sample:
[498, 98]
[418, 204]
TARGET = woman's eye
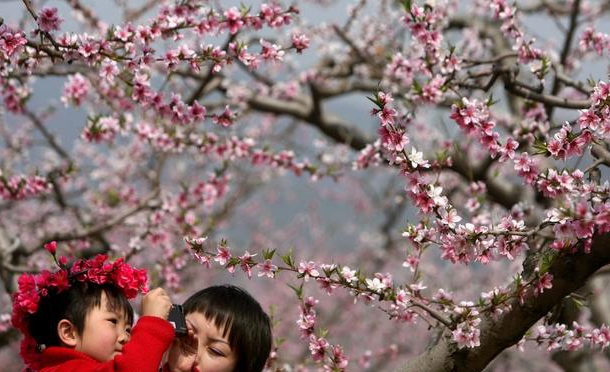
[216, 352]
[113, 321]
[128, 330]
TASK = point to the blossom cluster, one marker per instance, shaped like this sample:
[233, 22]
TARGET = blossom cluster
[18, 187]
[562, 337]
[48, 19]
[393, 135]
[320, 348]
[590, 40]
[12, 42]
[511, 28]
[467, 333]
[594, 122]
[14, 95]
[474, 118]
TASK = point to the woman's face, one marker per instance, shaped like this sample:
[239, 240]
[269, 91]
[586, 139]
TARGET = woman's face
[214, 354]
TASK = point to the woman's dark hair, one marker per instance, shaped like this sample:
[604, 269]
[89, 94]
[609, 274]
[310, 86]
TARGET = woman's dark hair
[239, 315]
[73, 304]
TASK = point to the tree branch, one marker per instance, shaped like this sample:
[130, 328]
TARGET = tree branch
[565, 52]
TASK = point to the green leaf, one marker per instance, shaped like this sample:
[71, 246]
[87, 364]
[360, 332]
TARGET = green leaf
[288, 258]
[490, 101]
[545, 262]
[375, 101]
[268, 254]
[540, 148]
[297, 290]
[323, 332]
[417, 87]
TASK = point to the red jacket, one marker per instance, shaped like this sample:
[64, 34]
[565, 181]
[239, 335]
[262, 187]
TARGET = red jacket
[149, 339]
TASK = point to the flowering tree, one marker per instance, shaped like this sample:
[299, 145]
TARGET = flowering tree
[483, 164]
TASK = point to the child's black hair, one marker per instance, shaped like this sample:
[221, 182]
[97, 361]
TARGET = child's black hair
[239, 315]
[73, 304]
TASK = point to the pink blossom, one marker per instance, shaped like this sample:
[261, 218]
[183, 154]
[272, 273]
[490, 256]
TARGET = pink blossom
[307, 323]
[271, 51]
[51, 247]
[272, 14]
[431, 92]
[466, 336]
[11, 42]
[326, 285]
[225, 119]
[48, 19]
[392, 139]
[300, 42]
[508, 151]
[348, 274]
[376, 285]
[223, 254]
[308, 269]
[197, 111]
[318, 346]
[546, 282]
[387, 115]
[267, 268]
[109, 70]
[246, 263]
[338, 358]
[75, 90]
[203, 259]
[600, 93]
[449, 218]
[233, 20]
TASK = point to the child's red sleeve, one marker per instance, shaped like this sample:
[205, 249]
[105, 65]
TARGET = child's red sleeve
[150, 338]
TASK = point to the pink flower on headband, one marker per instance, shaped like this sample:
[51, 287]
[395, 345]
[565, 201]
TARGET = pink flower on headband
[130, 280]
[51, 247]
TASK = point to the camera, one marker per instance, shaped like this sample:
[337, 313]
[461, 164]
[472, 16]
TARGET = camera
[176, 318]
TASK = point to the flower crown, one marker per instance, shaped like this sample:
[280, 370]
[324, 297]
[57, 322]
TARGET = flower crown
[96, 270]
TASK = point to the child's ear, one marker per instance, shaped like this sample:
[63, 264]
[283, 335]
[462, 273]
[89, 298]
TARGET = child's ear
[67, 333]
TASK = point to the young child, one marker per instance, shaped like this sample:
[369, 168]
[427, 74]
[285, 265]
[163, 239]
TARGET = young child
[78, 319]
[228, 332]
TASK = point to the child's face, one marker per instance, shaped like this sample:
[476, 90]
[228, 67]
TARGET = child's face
[105, 332]
[214, 353]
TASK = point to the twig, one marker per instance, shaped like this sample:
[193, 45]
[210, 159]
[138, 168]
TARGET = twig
[204, 83]
[565, 51]
[547, 99]
[48, 136]
[96, 230]
[362, 57]
[433, 313]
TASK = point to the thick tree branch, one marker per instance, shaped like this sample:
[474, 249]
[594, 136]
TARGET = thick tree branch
[332, 126]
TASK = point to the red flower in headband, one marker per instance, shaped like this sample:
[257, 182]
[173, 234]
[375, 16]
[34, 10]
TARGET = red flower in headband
[95, 270]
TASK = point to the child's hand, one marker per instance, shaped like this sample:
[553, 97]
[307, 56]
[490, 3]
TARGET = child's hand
[156, 303]
[183, 352]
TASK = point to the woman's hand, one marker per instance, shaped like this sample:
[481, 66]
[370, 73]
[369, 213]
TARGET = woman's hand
[183, 352]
